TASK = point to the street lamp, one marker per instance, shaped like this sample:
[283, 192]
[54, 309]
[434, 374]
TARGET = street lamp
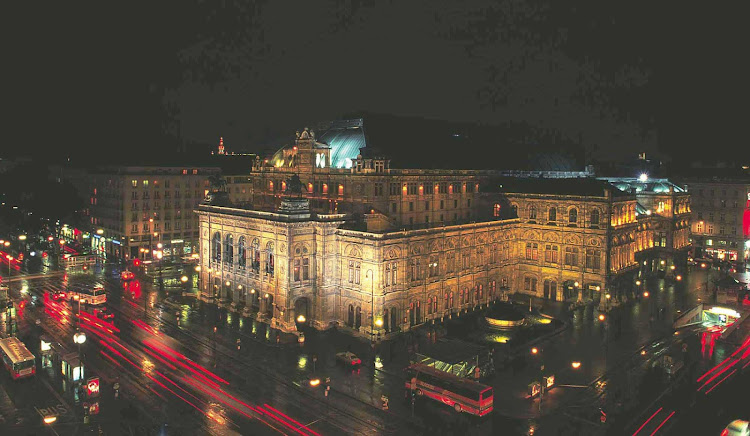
[10, 260]
[536, 351]
[372, 303]
[79, 338]
[99, 231]
[21, 237]
[575, 364]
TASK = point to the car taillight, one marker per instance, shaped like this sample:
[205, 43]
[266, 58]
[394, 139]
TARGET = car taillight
[725, 432]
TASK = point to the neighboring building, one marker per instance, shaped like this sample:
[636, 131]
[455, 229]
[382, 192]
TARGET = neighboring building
[132, 209]
[719, 226]
[361, 244]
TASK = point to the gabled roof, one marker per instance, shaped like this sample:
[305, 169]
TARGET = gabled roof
[647, 185]
[582, 186]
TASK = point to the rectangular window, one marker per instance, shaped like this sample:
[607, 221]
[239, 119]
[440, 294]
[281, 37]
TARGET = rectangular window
[466, 260]
[378, 189]
[550, 253]
[428, 188]
[411, 206]
[395, 189]
[450, 262]
[393, 207]
[411, 188]
[305, 268]
[134, 183]
[134, 228]
[571, 256]
[297, 270]
[443, 188]
[593, 259]
[426, 205]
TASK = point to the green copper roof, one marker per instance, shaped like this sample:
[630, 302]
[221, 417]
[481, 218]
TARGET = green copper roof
[345, 139]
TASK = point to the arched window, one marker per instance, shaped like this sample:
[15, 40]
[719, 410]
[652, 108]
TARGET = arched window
[216, 247]
[269, 259]
[573, 216]
[552, 215]
[241, 255]
[255, 255]
[228, 249]
[595, 217]
[532, 212]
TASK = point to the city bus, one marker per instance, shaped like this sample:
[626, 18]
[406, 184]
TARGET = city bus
[462, 394]
[88, 295]
[17, 358]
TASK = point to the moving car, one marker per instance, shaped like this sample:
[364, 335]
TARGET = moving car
[348, 358]
[738, 427]
[103, 313]
[58, 296]
[127, 276]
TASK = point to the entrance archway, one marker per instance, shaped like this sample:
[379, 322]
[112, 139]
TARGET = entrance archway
[394, 319]
[302, 310]
[550, 290]
[350, 316]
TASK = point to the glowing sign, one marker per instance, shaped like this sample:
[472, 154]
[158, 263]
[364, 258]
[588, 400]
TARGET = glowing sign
[93, 386]
[550, 381]
[724, 311]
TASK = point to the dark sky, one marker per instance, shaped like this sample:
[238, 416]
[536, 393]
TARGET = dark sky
[617, 77]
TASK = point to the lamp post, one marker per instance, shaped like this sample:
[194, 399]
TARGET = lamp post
[150, 239]
[538, 351]
[10, 260]
[79, 338]
[372, 304]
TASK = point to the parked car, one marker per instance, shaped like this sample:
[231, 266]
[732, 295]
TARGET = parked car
[738, 427]
[348, 358]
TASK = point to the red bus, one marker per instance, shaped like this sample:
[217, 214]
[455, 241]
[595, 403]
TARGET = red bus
[17, 358]
[462, 394]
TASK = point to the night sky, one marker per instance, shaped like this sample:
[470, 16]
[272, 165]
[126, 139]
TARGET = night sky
[617, 78]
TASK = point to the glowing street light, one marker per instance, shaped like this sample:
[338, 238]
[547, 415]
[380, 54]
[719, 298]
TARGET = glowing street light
[50, 419]
[198, 268]
[21, 237]
[6, 243]
[99, 231]
[645, 293]
[79, 338]
[301, 319]
[184, 279]
[638, 283]
[315, 382]
[643, 177]
[601, 317]
[50, 239]
[379, 322]
[534, 350]
[607, 296]
[575, 364]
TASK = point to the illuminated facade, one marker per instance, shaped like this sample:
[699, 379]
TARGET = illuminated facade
[394, 249]
[140, 206]
[720, 211]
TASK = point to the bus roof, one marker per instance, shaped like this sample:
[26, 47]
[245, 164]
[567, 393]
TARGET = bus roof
[15, 350]
[463, 382]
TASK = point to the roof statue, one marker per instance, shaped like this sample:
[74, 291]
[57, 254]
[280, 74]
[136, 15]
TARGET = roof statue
[294, 185]
[217, 183]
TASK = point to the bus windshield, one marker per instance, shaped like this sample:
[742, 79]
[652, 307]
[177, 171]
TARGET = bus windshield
[23, 365]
